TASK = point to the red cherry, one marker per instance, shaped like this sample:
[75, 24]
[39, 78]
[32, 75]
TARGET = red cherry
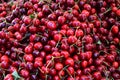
[84, 64]
[32, 29]
[70, 32]
[84, 77]
[69, 61]
[28, 57]
[40, 14]
[115, 64]
[97, 75]
[24, 73]
[118, 12]
[115, 29]
[57, 37]
[56, 77]
[4, 58]
[70, 78]
[61, 20]
[27, 20]
[51, 25]
[53, 72]
[110, 58]
[79, 72]
[56, 54]
[88, 54]
[65, 54]
[85, 12]
[38, 63]
[36, 22]
[58, 66]
[4, 64]
[76, 23]
[28, 49]
[23, 29]
[79, 33]
[38, 46]
[71, 70]
[72, 39]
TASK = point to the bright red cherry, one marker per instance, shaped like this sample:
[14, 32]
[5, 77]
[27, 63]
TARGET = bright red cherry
[61, 20]
[97, 75]
[24, 73]
[115, 29]
[28, 57]
[38, 46]
[51, 25]
[58, 66]
[36, 22]
[57, 37]
[27, 20]
[69, 61]
[72, 39]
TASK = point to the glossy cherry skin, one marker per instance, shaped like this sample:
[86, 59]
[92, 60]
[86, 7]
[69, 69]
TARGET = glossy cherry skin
[58, 66]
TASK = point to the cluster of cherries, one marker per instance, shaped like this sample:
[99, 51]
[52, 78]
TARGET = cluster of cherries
[60, 40]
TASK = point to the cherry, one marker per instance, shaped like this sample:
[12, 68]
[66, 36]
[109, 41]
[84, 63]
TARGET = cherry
[72, 39]
[118, 12]
[27, 20]
[76, 23]
[24, 73]
[84, 77]
[47, 47]
[28, 49]
[71, 70]
[46, 9]
[4, 58]
[69, 61]
[51, 25]
[38, 46]
[28, 57]
[65, 54]
[116, 75]
[36, 22]
[53, 72]
[115, 64]
[57, 37]
[110, 58]
[38, 62]
[56, 77]
[115, 29]
[97, 75]
[79, 33]
[84, 64]
[61, 20]
[4, 64]
[58, 66]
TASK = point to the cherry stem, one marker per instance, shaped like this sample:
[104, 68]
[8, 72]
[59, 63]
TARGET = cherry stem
[69, 73]
[46, 76]
[18, 50]
[39, 35]
[40, 70]
[107, 10]
[57, 44]
[50, 62]
[106, 64]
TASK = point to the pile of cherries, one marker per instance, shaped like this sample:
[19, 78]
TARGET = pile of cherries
[60, 40]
